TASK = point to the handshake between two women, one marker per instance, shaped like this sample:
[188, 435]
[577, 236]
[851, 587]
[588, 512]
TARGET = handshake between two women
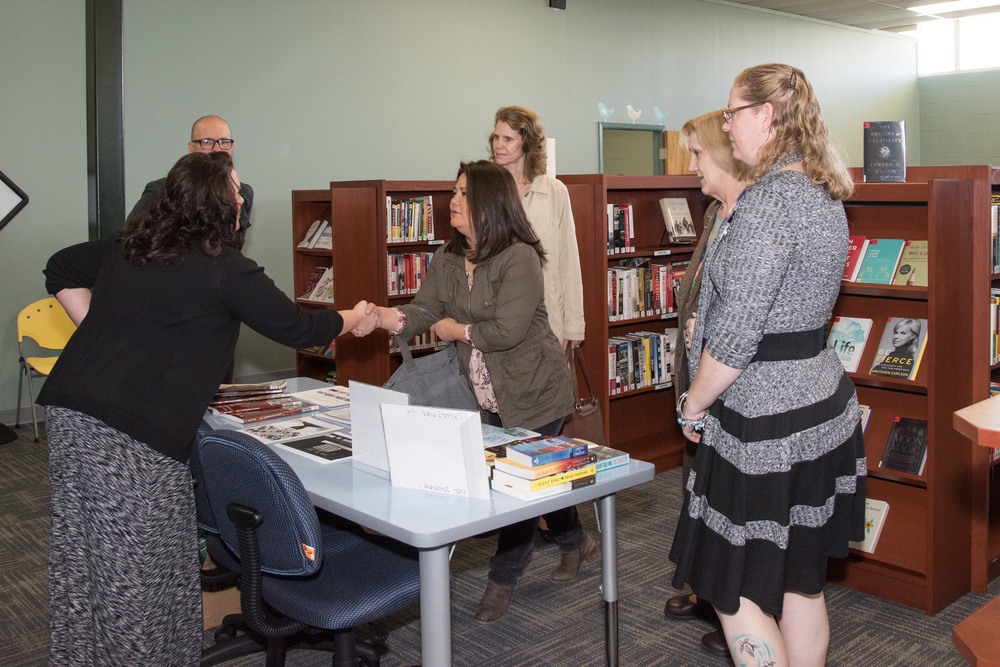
[365, 317]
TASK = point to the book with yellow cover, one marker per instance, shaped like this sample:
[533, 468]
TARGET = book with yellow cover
[912, 269]
[500, 478]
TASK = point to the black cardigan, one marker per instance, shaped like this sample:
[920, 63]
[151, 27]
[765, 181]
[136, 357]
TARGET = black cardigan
[158, 339]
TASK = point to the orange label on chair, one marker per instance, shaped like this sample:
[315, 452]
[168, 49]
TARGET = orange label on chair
[309, 551]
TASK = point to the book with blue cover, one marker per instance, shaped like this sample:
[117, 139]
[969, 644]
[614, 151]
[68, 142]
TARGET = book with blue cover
[878, 266]
[545, 450]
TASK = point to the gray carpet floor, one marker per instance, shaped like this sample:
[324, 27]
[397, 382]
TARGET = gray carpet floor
[546, 624]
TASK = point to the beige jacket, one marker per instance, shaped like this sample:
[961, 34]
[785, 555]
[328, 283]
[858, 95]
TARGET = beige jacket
[548, 209]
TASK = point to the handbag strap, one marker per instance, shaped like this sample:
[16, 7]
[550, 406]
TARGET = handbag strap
[572, 356]
[404, 351]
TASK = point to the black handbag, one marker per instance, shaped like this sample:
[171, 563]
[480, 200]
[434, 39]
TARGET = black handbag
[434, 380]
[586, 421]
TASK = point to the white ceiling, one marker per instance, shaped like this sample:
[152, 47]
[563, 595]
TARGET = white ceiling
[879, 14]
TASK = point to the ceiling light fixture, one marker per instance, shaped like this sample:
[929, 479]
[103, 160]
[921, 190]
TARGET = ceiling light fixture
[557, 4]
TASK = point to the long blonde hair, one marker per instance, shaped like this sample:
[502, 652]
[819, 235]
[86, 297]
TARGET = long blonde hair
[715, 142]
[797, 125]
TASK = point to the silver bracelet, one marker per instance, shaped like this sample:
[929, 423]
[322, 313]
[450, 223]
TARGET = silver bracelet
[696, 425]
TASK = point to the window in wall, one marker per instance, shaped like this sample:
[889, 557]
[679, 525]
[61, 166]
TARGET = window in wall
[952, 45]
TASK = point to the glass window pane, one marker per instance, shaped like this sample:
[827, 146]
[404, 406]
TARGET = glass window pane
[936, 47]
[976, 45]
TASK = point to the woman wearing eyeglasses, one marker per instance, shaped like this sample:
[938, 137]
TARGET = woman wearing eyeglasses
[778, 482]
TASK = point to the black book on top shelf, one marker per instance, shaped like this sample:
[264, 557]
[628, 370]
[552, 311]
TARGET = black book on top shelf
[885, 151]
[906, 448]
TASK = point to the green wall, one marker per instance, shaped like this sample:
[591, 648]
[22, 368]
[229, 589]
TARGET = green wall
[321, 90]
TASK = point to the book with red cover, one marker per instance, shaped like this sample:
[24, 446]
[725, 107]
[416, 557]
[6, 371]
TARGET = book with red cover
[855, 251]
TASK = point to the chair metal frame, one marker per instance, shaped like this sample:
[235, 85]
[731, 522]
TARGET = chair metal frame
[46, 323]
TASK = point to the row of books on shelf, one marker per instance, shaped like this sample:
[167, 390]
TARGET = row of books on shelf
[994, 325]
[677, 220]
[886, 261]
[407, 271]
[425, 341]
[640, 359]
[319, 285]
[410, 220]
[900, 348]
[544, 466]
[640, 288]
[995, 231]
[319, 235]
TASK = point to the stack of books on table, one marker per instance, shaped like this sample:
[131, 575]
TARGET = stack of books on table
[544, 467]
[248, 403]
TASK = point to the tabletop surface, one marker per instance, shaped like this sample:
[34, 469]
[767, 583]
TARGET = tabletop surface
[426, 519]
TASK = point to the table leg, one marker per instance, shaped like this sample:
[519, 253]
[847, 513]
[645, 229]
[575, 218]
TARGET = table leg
[609, 578]
[435, 607]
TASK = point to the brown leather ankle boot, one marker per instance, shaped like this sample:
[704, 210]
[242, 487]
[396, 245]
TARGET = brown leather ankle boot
[495, 600]
[569, 568]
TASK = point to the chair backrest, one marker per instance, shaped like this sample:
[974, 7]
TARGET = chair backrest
[202, 503]
[238, 469]
[45, 322]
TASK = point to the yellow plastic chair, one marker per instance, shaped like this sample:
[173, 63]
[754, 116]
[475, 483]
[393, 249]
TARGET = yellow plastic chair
[46, 323]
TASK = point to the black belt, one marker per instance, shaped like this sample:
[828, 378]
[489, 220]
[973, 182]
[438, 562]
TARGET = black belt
[791, 345]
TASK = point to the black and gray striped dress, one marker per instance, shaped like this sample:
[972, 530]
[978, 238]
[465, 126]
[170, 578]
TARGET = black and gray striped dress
[778, 484]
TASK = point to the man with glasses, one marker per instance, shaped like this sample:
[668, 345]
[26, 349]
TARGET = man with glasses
[209, 134]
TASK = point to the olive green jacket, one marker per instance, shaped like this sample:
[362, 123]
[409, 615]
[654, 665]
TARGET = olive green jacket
[510, 326]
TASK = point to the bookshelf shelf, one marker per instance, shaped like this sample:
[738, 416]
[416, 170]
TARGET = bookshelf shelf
[639, 421]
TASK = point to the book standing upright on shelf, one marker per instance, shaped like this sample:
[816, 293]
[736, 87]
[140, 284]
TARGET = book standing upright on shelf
[912, 269]
[875, 515]
[324, 288]
[906, 448]
[847, 338]
[879, 263]
[885, 151]
[900, 348]
[855, 253]
[678, 220]
[312, 234]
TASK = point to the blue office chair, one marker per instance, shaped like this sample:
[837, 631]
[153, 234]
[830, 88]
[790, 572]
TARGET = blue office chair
[298, 577]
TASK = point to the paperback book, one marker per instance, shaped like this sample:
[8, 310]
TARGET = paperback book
[502, 478]
[847, 338]
[880, 261]
[250, 411]
[875, 515]
[313, 233]
[324, 288]
[546, 450]
[536, 472]
[885, 151]
[310, 285]
[900, 348]
[906, 448]
[866, 414]
[607, 457]
[678, 220]
[912, 269]
[538, 494]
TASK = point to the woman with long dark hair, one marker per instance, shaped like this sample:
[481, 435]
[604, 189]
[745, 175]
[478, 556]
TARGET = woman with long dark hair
[484, 289]
[158, 309]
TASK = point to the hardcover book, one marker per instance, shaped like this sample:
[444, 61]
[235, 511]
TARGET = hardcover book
[885, 151]
[906, 448]
[546, 450]
[880, 261]
[312, 233]
[324, 288]
[311, 282]
[847, 338]
[912, 269]
[678, 220]
[855, 251]
[900, 348]
[875, 515]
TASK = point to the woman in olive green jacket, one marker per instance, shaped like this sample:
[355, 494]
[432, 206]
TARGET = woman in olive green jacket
[485, 290]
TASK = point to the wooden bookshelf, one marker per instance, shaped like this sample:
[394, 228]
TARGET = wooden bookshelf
[927, 553]
[357, 212]
[641, 421]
